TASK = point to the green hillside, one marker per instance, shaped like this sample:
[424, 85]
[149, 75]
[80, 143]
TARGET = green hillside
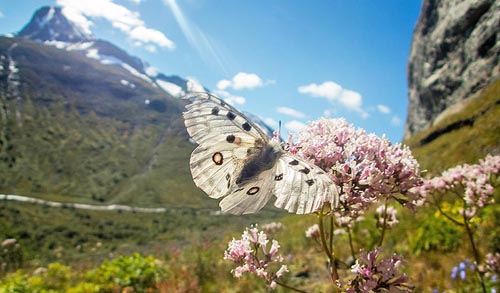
[71, 131]
[462, 137]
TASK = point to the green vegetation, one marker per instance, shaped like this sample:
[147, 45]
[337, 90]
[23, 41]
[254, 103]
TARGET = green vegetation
[462, 137]
[76, 133]
[74, 140]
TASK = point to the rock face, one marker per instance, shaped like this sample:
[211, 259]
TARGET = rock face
[455, 53]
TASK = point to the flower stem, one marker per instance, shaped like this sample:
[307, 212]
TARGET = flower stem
[384, 225]
[289, 287]
[351, 245]
[438, 206]
[332, 265]
[331, 233]
[473, 246]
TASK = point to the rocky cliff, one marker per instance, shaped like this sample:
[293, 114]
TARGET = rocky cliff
[455, 53]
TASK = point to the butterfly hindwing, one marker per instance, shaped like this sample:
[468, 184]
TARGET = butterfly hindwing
[251, 196]
[302, 187]
[212, 169]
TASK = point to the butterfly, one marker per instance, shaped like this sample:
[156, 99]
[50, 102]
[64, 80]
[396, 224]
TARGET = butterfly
[236, 161]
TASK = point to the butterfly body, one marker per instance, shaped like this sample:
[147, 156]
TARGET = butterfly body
[236, 161]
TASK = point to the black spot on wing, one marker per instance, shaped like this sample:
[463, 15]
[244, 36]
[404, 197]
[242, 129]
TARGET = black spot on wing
[294, 163]
[278, 177]
[230, 138]
[228, 178]
[215, 111]
[230, 115]
[239, 189]
[305, 170]
[218, 158]
[310, 182]
[246, 126]
[253, 190]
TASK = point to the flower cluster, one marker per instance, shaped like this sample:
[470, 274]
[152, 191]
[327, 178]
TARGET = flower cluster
[313, 231]
[493, 262]
[461, 270]
[251, 254]
[376, 276]
[386, 215]
[272, 227]
[473, 181]
[364, 166]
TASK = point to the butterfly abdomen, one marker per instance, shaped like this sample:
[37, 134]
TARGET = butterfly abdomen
[259, 162]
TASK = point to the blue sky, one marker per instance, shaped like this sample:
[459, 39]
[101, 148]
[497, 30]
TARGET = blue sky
[288, 60]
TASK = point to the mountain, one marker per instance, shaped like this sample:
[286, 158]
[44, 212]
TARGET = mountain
[82, 120]
[50, 26]
[455, 54]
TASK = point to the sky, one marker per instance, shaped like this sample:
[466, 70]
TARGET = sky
[292, 61]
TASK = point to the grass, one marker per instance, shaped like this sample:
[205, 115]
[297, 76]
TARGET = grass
[472, 133]
[75, 133]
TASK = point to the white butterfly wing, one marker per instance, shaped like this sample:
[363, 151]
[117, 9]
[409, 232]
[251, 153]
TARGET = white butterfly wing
[210, 119]
[225, 138]
[250, 197]
[303, 187]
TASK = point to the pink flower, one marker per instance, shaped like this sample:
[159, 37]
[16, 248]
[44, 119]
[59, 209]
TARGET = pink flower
[387, 215]
[472, 181]
[374, 275]
[313, 231]
[272, 227]
[250, 254]
[365, 168]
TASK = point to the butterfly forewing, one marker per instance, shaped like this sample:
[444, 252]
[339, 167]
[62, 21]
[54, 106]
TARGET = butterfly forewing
[210, 118]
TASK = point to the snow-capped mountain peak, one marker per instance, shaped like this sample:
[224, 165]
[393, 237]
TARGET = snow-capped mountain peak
[53, 24]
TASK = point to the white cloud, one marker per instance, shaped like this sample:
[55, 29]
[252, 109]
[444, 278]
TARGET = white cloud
[383, 109]
[242, 80]
[148, 35]
[328, 89]
[295, 126]
[150, 48]
[233, 100]
[271, 122]
[395, 121]
[290, 112]
[350, 99]
[223, 84]
[78, 19]
[334, 92]
[230, 98]
[120, 17]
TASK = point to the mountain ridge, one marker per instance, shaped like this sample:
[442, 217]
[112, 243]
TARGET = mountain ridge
[83, 121]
